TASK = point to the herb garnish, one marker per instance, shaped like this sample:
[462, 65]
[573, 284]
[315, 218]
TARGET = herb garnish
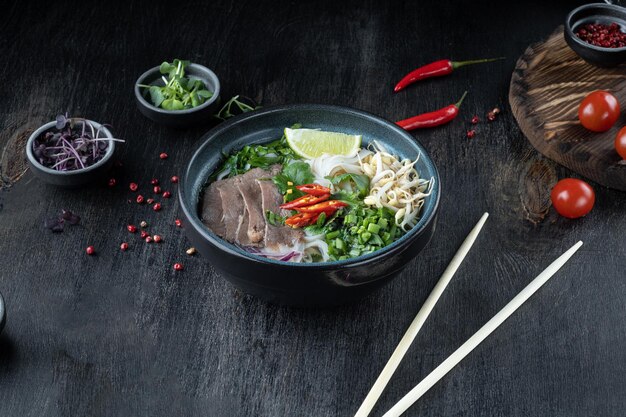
[296, 173]
[56, 224]
[75, 145]
[274, 219]
[179, 92]
[361, 230]
[236, 106]
[255, 156]
[359, 183]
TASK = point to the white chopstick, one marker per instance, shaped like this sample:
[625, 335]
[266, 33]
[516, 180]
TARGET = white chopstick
[418, 321]
[480, 335]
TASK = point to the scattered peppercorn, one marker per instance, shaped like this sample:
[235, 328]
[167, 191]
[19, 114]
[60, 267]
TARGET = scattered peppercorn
[150, 200]
[90, 250]
[163, 155]
[491, 116]
[174, 179]
[157, 238]
[148, 239]
[144, 234]
[156, 189]
[178, 223]
[156, 207]
[167, 194]
[143, 223]
[133, 186]
[112, 182]
[131, 228]
[191, 251]
[475, 120]
[471, 133]
[154, 181]
[178, 267]
[139, 199]
[124, 246]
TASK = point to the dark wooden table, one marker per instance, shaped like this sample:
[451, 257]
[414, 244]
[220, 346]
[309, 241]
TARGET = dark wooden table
[122, 334]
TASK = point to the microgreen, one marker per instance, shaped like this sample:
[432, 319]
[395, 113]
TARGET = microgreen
[236, 106]
[178, 92]
[76, 144]
[56, 224]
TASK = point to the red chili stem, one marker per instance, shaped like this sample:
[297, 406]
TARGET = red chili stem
[436, 69]
[434, 118]
[459, 64]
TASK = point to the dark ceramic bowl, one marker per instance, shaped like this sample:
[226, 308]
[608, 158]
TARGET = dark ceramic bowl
[179, 118]
[3, 314]
[312, 283]
[71, 179]
[596, 13]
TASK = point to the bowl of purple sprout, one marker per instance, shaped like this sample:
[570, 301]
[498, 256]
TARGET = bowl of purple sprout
[71, 151]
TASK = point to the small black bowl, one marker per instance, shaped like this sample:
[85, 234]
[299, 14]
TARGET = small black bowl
[76, 178]
[3, 314]
[596, 13]
[202, 114]
[323, 283]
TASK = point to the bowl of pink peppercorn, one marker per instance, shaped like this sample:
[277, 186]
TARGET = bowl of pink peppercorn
[597, 33]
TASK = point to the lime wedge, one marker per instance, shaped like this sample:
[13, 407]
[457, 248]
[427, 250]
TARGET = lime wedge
[311, 143]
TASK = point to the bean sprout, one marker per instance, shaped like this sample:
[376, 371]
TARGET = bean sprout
[396, 185]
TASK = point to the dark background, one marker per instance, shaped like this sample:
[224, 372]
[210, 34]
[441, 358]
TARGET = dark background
[122, 334]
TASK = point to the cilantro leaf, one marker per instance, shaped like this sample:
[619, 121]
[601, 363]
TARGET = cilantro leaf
[360, 181]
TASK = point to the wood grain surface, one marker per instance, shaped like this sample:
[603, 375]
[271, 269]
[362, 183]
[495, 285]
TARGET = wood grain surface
[547, 86]
[122, 334]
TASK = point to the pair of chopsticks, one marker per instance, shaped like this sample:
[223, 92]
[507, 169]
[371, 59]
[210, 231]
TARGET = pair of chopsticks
[456, 357]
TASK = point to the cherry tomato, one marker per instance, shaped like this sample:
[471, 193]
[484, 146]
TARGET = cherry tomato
[313, 189]
[599, 111]
[620, 142]
[572, 198]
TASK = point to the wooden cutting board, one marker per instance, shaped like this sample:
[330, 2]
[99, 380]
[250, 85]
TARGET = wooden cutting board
[547, 86]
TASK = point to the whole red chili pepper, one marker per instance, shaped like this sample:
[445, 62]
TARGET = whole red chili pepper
[433, 118]
[436, 69]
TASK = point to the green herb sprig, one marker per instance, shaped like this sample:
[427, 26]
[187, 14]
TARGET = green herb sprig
[235, 106]
[256, 156]
[179, 92]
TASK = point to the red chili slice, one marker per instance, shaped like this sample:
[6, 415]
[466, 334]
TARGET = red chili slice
[313, 189]
[327, 207]
[301, 219]
[306, 200]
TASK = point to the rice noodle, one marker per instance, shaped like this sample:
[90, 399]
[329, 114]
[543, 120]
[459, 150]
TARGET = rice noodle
[395, 184]
[329, 165]
[315, 245]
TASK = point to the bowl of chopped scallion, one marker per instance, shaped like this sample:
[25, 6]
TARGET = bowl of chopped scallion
[178, 94]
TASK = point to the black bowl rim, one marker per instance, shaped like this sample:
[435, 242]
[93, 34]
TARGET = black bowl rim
[140, 98]
[427, 217]
[577, 40]
[43, 128]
